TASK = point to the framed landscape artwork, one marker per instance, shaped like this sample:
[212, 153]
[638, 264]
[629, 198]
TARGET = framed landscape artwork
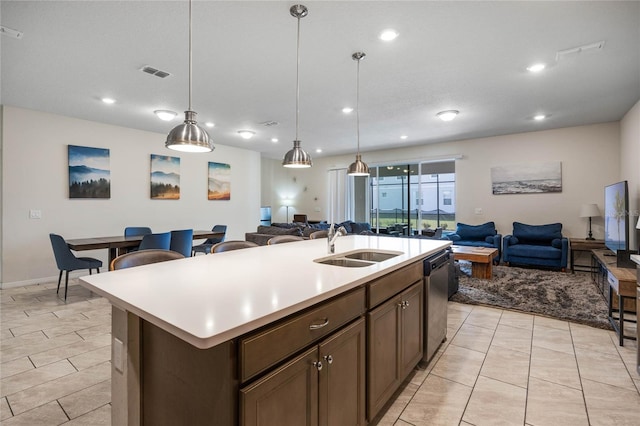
[89, 172]
[527, 178]
[165, 177]
[219, 181]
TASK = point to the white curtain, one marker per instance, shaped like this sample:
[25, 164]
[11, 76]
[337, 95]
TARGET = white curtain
[341, 197]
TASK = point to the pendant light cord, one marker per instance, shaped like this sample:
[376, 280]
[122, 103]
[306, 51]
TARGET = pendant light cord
[358, 105]
[190, 55]
[297, 77]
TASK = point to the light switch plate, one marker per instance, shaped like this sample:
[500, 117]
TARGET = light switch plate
[118, 355]
[478, 210]
[35, 214]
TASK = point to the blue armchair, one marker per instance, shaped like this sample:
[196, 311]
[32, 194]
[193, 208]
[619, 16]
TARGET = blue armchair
[537, 245]
[484, 235]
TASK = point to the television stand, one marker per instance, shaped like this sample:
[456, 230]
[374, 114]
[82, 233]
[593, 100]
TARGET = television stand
[619, 287]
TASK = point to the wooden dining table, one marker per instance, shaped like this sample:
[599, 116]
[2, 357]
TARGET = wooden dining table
[118, 245]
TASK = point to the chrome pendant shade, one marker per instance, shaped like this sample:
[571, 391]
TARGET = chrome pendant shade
[188, 136]
[297, 157]
[358, 168]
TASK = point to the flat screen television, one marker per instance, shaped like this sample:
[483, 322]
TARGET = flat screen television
[616, 217]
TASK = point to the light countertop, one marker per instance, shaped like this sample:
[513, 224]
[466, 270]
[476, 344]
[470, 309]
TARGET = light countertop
[636, 258]
[207, 300]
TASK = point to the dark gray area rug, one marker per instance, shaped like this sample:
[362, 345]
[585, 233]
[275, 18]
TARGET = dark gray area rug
[561, 295]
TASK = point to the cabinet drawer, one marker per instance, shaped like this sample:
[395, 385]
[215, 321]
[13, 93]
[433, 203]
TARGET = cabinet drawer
[393, 283]
[268, 347]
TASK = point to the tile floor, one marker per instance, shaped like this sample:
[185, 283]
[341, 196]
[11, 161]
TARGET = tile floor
[496, 367]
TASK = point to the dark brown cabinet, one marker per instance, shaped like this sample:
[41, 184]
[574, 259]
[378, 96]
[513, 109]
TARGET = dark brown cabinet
[323, 386]
[395, 344]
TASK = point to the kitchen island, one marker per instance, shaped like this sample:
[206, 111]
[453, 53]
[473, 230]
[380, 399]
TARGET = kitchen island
[202, 340]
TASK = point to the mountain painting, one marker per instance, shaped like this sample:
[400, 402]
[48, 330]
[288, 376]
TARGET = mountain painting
[527, 178]
[165, 177]
[219, 181]
[89, 172]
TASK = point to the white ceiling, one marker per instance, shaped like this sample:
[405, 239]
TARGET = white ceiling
[468, 56]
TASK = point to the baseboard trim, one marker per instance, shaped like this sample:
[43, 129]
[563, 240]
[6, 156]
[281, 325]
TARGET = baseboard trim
[43, 280]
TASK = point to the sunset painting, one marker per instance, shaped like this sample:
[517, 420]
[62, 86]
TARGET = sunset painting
[219, 181]
[89, 172]
[165, 177]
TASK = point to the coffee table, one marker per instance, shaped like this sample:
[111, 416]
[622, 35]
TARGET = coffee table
[481, 259]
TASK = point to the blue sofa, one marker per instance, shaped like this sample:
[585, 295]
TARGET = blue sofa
[484, 235]
[537, 245]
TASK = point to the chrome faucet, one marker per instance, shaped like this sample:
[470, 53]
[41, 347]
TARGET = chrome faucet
[332, 236]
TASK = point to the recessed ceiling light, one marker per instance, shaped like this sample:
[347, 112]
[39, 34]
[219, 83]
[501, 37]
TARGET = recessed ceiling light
[388, 35]
[347, 110]
[404, 137]
[539, 117]
[447, 115]
[210, 124]
[165, 115]
[318, 150]
[108, 101]
[274, 140]
[536, 67]
[246, 134]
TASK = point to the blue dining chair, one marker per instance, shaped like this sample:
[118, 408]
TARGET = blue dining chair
[156, 241]
[134, 231]
[182, 242]
[67, 261]
[210, 242]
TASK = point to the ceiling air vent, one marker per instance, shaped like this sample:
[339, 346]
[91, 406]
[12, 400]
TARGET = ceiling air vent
[154, 71]
[574, 51]
[269, 123]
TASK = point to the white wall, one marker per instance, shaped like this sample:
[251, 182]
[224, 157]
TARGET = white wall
[630, 164]
[590, 157]
[35, 176]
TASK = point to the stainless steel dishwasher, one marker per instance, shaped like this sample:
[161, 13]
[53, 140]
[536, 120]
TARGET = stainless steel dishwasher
[436, 293]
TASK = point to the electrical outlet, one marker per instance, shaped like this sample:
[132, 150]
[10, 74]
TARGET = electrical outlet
[35, 214]
[118, 355]
[478, 210]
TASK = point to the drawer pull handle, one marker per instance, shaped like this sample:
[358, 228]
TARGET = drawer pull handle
[318, 365]
[329, 359]
[318, 326]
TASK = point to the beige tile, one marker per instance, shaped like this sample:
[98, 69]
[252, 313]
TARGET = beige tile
[437, 402]
[25, 339]
[54, 389]
[401, 423]
[16, 366]
[484, 317]
[592, 339]
[454, 306]
[552, 338]
[552, 404]
[603, 368]
[72, 350]
[86, 400]
[14, 352]
[459, 365]
[609, 405]
[98, 417]
[88, 333]
[402, 398]
[515, 338]
[551, 323]
[91, 358]
[507, 366]
[35, 377]
[495, 403]
[48, 414]
[473, 337]
[6, 334]
[556, 367]
[5, 411]
[517, 319]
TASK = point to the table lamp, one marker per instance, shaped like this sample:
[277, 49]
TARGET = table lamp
[589, 210]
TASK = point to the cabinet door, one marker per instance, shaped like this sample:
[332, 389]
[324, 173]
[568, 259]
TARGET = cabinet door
[383, 372]
[412, 323]
[287, 396]
[342, 378]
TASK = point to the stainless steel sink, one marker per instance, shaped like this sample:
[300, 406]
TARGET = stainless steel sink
[358, 258]
[348, 263]
[371, 256]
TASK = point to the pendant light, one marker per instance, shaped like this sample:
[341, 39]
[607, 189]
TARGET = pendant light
[297, 157]
[188, 136]
[358, 168]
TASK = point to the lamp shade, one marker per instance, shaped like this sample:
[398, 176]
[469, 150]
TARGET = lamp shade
[296, 157]
[358, 168]
[589, 210]
[189, 137]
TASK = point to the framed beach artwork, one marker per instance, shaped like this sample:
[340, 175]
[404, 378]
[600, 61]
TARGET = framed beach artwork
[89, 172]
[165, 177]
[527, 178]
[219, 181]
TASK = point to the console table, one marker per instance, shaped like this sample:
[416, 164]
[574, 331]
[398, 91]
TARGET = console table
[636, 259]
[620, 282]
[583, 245]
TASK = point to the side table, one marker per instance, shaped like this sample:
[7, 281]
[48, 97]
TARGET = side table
[583, 245]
